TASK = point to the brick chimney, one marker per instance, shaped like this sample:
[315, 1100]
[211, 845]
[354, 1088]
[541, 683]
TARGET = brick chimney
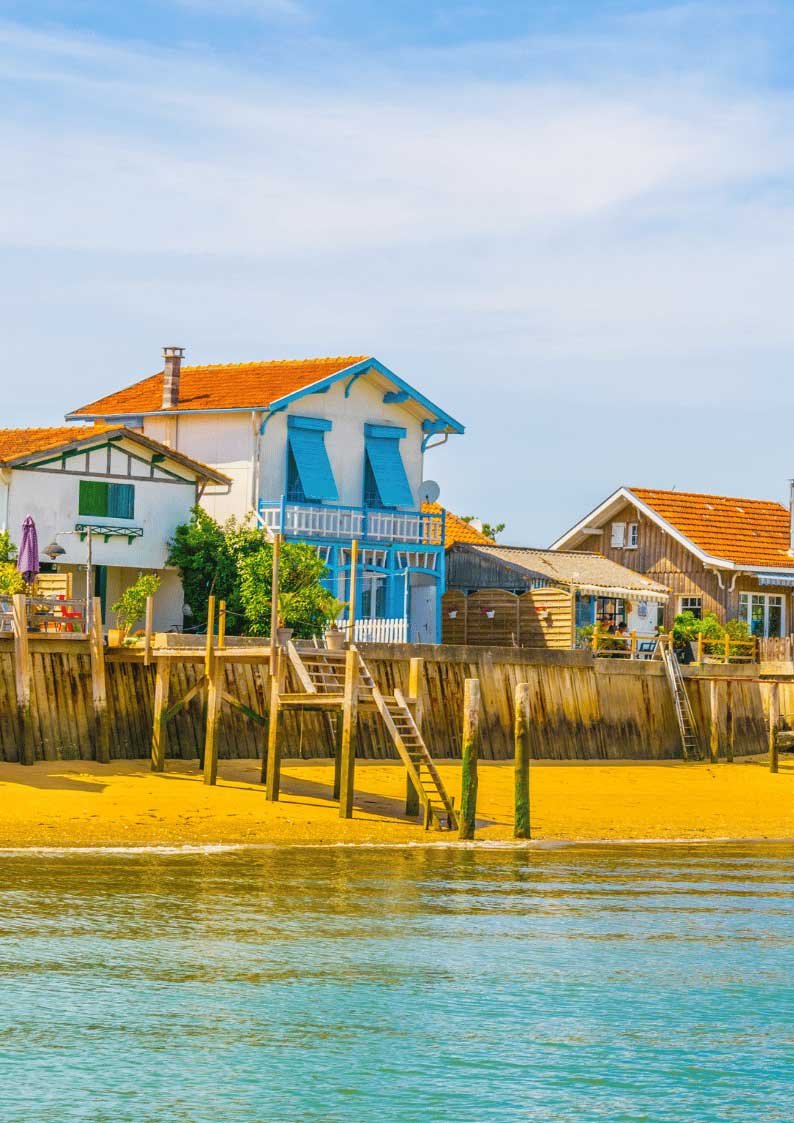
[172, 365]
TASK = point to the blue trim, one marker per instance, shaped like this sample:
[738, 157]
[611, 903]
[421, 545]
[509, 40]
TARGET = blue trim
[266, 418]
[295, 422]
[390, 432]
[430, 429]
[395, 397]
[382, 450]
[307, 445]
[450, 424]
[353, 380]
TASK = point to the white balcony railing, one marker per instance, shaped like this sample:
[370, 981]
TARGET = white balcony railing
[306, 520]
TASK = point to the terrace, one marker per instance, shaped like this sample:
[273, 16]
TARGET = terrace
[317, 521]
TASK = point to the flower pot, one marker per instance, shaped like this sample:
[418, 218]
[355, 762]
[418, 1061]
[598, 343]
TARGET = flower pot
[335, 641]
[283, 636]
[114, 637]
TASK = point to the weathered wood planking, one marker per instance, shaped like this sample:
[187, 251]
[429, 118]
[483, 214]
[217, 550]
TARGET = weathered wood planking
[580, 709]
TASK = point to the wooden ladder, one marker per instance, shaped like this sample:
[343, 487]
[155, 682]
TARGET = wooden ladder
[690, 743]
[415, 755]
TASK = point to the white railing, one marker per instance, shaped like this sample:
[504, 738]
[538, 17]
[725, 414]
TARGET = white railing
[306, 521]
[378, 630]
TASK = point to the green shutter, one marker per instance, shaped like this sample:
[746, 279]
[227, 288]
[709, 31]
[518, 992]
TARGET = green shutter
[93, 498]
[121, 501]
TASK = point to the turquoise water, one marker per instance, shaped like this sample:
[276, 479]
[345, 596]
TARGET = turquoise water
[385, 984]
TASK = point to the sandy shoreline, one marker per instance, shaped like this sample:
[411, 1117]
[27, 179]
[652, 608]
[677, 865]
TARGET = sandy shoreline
[123, 804]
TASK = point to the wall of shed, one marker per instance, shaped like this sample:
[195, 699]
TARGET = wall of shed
[517, 619]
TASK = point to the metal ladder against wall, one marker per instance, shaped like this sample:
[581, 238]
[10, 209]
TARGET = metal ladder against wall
[323, 672]
[690, 743]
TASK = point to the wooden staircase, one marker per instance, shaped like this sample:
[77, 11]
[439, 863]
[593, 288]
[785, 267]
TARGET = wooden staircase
[322, 672]
[690, 743]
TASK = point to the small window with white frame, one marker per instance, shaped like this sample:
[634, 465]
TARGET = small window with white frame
[632, 536]
[693, 605]
[618, 536]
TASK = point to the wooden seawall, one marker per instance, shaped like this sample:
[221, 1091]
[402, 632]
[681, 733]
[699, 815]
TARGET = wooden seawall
[581, 709]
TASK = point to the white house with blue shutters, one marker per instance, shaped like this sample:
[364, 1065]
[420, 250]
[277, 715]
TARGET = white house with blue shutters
[324, 451]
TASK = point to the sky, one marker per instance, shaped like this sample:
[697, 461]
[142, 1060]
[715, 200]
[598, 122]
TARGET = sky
[567, 223]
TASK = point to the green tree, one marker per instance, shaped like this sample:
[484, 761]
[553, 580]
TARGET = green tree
[305, 605]
[207, 565]
[490, 530]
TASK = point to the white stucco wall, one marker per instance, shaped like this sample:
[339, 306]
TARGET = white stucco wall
[227, 441]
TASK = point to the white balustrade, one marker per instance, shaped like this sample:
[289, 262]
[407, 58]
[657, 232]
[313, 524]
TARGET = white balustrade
[306, 521]
[378, 630]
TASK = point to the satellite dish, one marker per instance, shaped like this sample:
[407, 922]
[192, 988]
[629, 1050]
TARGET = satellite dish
[429, 491]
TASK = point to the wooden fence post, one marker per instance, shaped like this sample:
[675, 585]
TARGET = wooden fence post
[699, 655]
[730, 723]
[214, 698]
[727, 648]
[415, 700]
[22, 673]
[774, 721]
[147, 643]
[271, 765]
[347, 764]
[274, 591]
[467, 820]
[162, 685]
[521, 828]
[353, 590]
[99, 684]
[714, 721]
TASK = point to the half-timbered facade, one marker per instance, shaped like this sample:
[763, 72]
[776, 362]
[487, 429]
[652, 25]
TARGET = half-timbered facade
[716, 553]
[110, 498]
[323, 451]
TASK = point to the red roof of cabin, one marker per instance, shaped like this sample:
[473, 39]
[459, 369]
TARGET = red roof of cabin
[745, 531]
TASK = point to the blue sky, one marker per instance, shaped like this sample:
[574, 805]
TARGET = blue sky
[568, 223]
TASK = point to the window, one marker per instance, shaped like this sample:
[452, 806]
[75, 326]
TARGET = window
[618, 535]
[634, 536]
[105, 500]
[764, 613]
[385, 482]
[373, 596]
[309, 475]
[693, 605]
[610, 611]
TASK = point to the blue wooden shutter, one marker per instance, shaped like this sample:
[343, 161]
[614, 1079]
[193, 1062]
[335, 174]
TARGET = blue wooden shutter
[382, 444]
[121, 501]
[306, 437]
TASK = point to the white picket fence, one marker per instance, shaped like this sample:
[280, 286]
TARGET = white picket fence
[378, 630]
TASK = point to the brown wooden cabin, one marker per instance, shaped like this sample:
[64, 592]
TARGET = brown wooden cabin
[715, 553]
[504, 596]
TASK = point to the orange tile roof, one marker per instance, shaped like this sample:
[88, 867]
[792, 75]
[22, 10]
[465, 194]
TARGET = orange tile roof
[457, 529]
[24, 442]
[221, 386]
[745, 531]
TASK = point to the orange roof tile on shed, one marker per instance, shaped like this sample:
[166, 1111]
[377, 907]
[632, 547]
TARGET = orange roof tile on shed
[15, 443]
[457, 529]
[221, 386]
[752, 532]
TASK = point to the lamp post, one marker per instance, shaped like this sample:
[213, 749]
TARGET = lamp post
[55, 551]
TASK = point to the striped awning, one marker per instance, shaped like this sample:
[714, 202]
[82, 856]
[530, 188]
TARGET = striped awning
[623, 593]
[775, 579]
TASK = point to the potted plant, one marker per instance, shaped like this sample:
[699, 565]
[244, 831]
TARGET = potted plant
[286, 603]
[334, 637]
[131, 607]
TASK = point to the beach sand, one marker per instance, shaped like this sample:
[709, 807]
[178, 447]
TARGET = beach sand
[79, 803]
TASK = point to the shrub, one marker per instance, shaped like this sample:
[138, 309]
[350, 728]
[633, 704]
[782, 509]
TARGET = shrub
[131, 607]
[304, 604]
[11, 580]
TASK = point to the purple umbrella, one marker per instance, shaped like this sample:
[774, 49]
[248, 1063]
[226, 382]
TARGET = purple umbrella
[28, 560]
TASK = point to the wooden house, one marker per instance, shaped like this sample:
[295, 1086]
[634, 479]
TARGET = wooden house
[515, 596]
[715, 553]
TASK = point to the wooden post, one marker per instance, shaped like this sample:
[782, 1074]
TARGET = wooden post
[730, 723]
[147, 643]
[274, 588]
[594, 640]
[347, 763]
[222, 626]
[774, 721]
[99, 685]
[338, 753]
[271, 765]
[208, 659]
[415, 701]
[22, 672]
[699, 656]
[467, 820]
[633, 649]
[353, 591]
[727, 648]
[714, 721]
[521, 828]
[162, 684]
[217, 676]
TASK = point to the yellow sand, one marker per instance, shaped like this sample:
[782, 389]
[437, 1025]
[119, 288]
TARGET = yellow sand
[82, 804]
